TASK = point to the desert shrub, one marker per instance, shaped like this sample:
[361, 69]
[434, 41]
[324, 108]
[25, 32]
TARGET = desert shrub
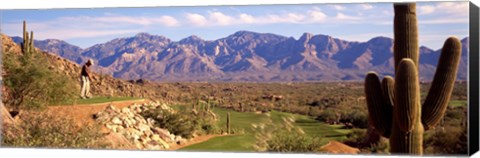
[382, 147]
[39, 129]
[31, 84]
[358, 118]
[356, 138]
[328, 115]
[182, 122]
[452, 140]
[283, 137]
[357, 135]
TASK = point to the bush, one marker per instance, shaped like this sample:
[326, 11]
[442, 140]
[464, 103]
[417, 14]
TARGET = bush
[328, 115]
[357, 135]
[184, 123]
[452, 140]
[284, 137]
[37, 129]
[359, 118]
[31, 84]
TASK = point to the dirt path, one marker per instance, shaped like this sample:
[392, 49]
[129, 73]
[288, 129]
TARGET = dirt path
[336, 147]
[195, 140]
[84, 113]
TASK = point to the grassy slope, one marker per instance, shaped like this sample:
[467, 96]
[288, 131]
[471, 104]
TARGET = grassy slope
[244, 142]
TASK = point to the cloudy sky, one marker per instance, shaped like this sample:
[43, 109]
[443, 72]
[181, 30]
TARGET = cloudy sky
[353, 22]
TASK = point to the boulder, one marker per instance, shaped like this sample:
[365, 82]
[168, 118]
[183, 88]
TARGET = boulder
[116, 120]
[164, 134]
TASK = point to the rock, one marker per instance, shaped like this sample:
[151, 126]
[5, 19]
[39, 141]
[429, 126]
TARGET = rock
[143, 127]
[116, 120]
[150, 121]
[161, 141]
[154, 147]
[144, 139]
[148, 133]
[164, 134]
[180, 140]
[111, 107]
[125, 110]
[139, 145]
[137, 129]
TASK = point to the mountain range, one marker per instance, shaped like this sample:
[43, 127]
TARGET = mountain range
[244, 56]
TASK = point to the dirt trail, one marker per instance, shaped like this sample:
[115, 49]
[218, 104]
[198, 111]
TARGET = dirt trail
[336, 147]
[83, 113]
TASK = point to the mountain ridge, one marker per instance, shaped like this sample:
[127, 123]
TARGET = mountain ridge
[245, 56]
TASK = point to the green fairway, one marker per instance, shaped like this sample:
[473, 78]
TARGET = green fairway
[243, 121]
[96, 100]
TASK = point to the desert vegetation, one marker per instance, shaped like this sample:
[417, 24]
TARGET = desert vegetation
[30, 86]
[243, 116]
[29, 82]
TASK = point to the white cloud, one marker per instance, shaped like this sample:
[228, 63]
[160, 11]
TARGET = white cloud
[220, 18]
[443, 13]
[447, 8]
[366, 6]
[66, 31]
[427, 9]
[317, 16]
[247, 18]
[74, 27]
[196, 19]
[338, 7]
[119, 19]
[86, 33]
[295, 17]
[341, 16]
[169, 21]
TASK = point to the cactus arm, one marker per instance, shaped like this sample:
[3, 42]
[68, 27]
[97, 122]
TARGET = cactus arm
[439, 94]
[387, 90]
[32, 46]
[407, 93]
[405, 33]
[377, 109]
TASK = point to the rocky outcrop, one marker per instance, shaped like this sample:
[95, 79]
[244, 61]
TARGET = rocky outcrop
[138, 130]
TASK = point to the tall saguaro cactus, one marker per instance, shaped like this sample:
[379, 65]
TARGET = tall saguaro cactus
[394, 104]
[27, 44]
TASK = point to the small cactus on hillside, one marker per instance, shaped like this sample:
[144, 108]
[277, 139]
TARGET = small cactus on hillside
[394, 104]
[28, 42]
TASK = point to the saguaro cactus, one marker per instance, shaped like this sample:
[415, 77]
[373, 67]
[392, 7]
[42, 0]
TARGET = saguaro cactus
[27, 43]
[394, 105]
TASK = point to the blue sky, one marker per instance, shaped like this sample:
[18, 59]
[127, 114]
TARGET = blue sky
[353, 22]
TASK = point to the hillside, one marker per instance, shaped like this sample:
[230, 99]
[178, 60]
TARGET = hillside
[244, 56]
[102, 85]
